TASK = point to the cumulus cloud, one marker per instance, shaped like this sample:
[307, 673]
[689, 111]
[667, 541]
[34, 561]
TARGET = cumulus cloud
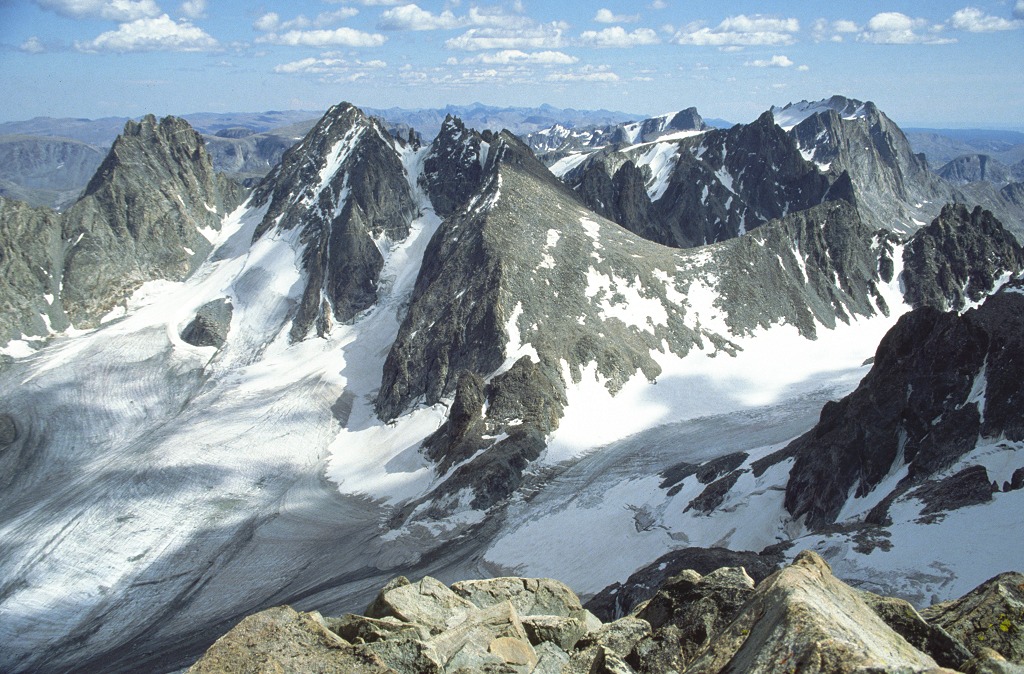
[194, 9]
[778, 61]
[32, 46]
[607, 16]
[835, 31]
[412, 17]
[550, 36]
[114, 10]
[740, 31]
[974, 20]
[509, 56]
[158, 34]
[661, 4]
[617, 36]
[898, 28]
[344, 37]
[271, 21]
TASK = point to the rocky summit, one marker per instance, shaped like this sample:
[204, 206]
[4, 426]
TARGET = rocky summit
[800, 619]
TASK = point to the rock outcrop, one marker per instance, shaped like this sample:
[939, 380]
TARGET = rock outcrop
[149, 212]
[799, 619]
[344, 194]
[939, 382]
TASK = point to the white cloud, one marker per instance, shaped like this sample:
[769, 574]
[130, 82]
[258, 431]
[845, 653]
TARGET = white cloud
[803, 68]
[271, 21]
[32, 46]
[607, 16]
[834, 31]
[974, 20]
[509, 56]
[268, 22]
[412, 17]
[159, 34]
[616, 36]
[328, 64]
[114, 10]
[327, 18]
[777, 61]
[585, 74]
[1018, 10]
[541, 37]
[344, 36]
[742, 31]
[898, 28]
[194, 9]
[661, 4]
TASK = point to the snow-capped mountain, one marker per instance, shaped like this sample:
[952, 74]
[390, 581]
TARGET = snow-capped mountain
[404, 360]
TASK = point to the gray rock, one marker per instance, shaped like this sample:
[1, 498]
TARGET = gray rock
[340, 216]
[618, 599]
[282, 640]
[687, 613]
[489, 637]
[619, 636]
[908, 623]
[931, 419]
[559, 630]
[970, 168]
[803, 617]
[362, 629]
[550, 658]
[991, 616]
[989, 661]
[970, 486]
[429, 603]
[210, 325]
[529, 596]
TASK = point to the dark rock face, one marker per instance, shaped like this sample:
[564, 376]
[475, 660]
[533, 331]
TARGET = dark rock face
[8, 431]
[938, 381]
[141, 216]
[892, 186]
[932, 640]
[344, 188]
[454, 168]
[619, 599]
[970, 486]
[210, 325]
[30, 258]
[958, 258]
[723, 183]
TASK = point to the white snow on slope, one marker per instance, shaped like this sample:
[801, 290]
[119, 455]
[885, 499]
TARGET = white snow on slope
[790, 115]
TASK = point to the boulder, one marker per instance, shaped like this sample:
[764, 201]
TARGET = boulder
[802, 618]
[688, 612]
[908, 623]
[491, 637]
[429, 603]
[618, 637]
[283, 640]
[529, 596]
[558, 630]
[210, 325]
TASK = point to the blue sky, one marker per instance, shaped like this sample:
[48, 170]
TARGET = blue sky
[932, 63]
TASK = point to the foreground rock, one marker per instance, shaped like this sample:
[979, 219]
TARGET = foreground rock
[799, 619]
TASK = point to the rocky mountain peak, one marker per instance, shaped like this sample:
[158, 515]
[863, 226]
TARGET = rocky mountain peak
[149, 212]
[345, 193]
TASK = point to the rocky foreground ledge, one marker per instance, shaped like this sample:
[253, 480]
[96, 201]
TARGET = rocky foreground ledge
[799, 619]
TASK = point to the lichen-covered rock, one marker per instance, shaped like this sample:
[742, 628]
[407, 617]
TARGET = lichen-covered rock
[991, 616]
[908, 623]
[489, 637]
[282, 640]
[619, 636]
[804, 619]
[529, 596]
[429, 603]
[688, 612]
[561, 631]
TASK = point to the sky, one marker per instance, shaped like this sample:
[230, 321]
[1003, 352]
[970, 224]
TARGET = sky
[926, 63]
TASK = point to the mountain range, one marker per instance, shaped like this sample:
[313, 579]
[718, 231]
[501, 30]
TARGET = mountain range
[567, 354]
